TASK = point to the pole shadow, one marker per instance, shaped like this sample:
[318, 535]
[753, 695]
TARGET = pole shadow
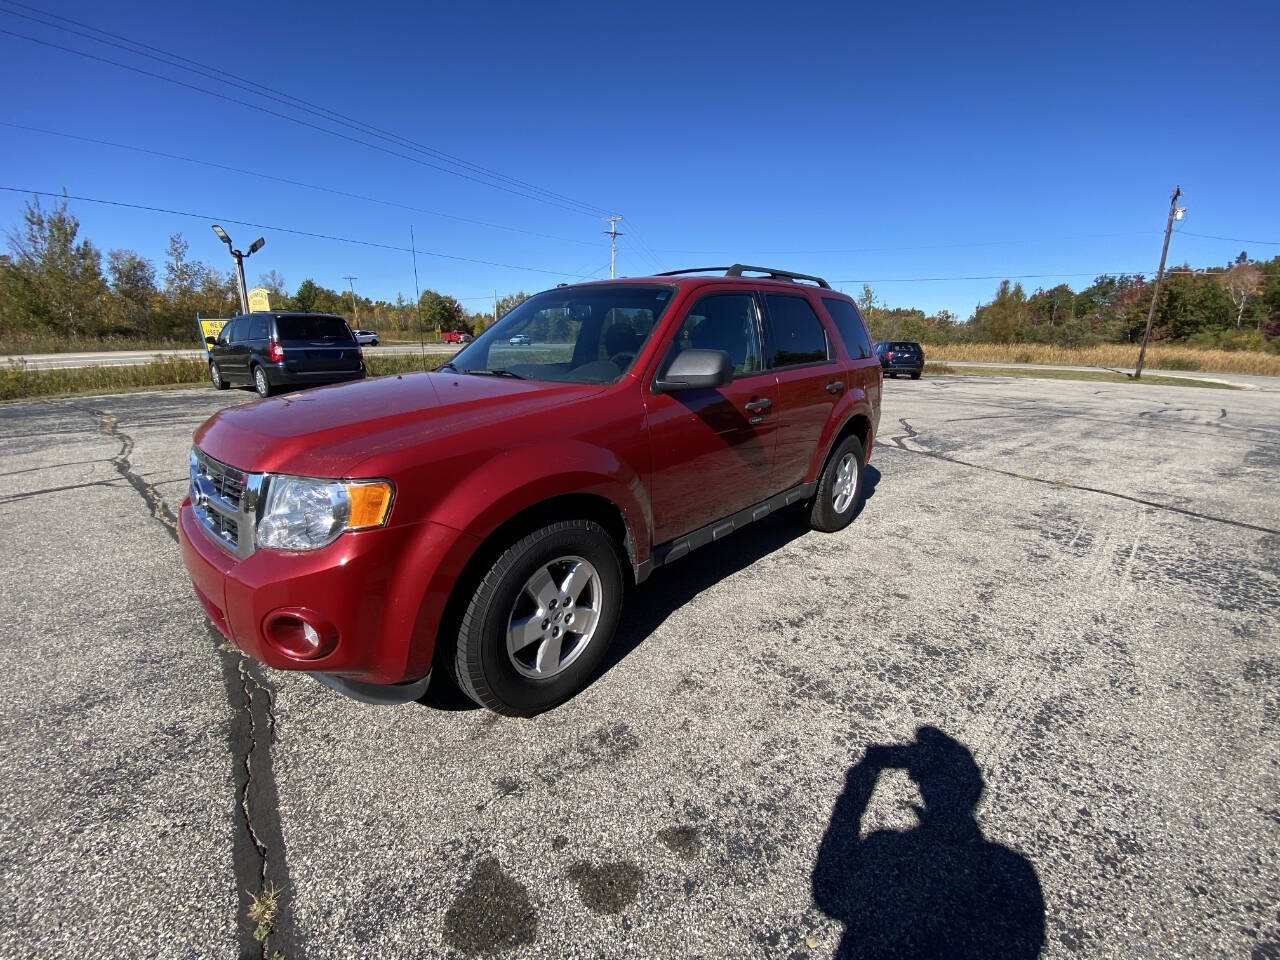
[940, 890]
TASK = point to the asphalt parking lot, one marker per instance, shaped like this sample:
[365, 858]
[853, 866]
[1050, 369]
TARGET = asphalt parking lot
[1054, 624]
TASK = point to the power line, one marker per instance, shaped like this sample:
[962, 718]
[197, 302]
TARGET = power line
[291, 119]
[292, 230]
[927, 246]
[296, 183]
[258, 89]
[1017, 276]
[1209, 236]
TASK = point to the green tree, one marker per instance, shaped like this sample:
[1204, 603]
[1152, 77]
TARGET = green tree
[65, 290]
[509, 302]
[133, 288]
[440, 312]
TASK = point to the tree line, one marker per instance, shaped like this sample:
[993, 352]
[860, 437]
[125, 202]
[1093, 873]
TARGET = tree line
[55, 287]
[1234, 307]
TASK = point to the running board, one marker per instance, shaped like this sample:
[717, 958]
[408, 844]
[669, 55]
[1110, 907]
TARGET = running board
[673, 550]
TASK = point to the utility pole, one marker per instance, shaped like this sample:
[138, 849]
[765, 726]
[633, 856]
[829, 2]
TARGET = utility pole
[613, 235]
[238, 257]
[351, 282]
[1175, 213]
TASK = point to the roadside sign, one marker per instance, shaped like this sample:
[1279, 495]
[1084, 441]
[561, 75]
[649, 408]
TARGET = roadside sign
[209, 327]
[259, 300]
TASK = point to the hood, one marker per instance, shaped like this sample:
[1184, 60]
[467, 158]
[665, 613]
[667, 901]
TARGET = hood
[328, 431]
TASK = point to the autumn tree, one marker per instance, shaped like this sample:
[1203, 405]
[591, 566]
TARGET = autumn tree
[1241, 282]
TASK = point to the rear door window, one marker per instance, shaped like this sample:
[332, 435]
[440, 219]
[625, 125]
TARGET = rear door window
[852, 330]
[798, 334]
[313, 328]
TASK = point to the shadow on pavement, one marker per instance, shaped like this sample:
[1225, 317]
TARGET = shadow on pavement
[938, 890]
[670, 588]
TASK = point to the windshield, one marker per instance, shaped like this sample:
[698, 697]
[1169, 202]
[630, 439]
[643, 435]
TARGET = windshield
[571, 335]
[312, 328]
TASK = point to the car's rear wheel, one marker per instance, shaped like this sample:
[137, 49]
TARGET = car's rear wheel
[541, 620]
[215, 376]
[839, 488]
[915, 375]
[373, 342]
[261, 383]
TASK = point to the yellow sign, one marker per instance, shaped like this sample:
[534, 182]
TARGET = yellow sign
[259, 300]
[209, 327]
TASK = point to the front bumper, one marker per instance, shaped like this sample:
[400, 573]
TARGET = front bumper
[382, 591]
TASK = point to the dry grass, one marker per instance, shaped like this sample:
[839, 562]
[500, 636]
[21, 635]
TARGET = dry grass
[1111, 355]
[20, 382]
[262, 911]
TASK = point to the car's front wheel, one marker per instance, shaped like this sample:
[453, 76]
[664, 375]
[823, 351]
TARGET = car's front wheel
[261, 383]
[373, 342]
[915, 375]
[215, 376]
[541, 620]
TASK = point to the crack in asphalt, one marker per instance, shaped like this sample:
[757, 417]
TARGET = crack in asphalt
[258, 854]
[897, 443]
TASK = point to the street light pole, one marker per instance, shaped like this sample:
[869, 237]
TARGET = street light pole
[238, 257]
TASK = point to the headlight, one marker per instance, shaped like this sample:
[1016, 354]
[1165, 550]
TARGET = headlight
[302, 514]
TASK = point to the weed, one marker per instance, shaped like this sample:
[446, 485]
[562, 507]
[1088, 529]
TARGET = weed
[262, 911]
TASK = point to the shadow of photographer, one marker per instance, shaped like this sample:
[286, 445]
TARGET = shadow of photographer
[938, 890]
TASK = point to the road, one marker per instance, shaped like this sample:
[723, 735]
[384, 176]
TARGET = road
[1057, 609]
[134, 358]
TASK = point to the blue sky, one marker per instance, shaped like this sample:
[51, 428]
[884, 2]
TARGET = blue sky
[850, 140]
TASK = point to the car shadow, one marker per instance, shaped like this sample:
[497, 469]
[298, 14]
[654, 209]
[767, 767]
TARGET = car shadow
[669, 588]
[649, 604]
[938, 890]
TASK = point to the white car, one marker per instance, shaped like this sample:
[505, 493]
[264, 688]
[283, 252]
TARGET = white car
[520, 339]
[366, 338]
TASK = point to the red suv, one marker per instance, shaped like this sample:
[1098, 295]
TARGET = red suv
[487, 518]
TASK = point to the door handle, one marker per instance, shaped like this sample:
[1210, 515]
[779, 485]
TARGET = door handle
[835, 386]
[760, 406]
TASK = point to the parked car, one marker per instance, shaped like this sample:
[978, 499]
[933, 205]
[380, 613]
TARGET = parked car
[456, 336]
[901, 356]
[521, 339]
[271, 350]
[484, 519]
[366, 338]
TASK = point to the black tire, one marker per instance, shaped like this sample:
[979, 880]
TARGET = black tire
[823, 514]
[261, 383]
[373, 342]
[215, 376]
[481, 664]
[916, 375]
[894, 375]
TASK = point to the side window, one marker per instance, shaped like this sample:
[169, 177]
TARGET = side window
[852, 330]
[224, 335]
[258, 328]
[237, 328]
[798, 335]
[723, 321]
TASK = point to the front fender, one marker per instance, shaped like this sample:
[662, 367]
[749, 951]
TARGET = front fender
[511, 482]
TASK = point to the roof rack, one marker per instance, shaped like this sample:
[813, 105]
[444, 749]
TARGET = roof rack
[738, 269]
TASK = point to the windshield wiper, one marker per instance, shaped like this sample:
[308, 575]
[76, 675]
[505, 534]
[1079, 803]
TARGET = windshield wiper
[496, 373]
[448, 365]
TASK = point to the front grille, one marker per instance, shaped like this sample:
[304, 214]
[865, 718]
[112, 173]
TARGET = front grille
[224, 500]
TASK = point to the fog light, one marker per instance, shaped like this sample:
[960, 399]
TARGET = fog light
[300, 634]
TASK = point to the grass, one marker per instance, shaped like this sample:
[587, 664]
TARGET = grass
[1095, 376]
[16, 346]
[262, 911]
[1116, 355]
[21, 382]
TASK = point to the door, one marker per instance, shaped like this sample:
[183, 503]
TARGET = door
[712, 449]
[231, 352]
[810, 382]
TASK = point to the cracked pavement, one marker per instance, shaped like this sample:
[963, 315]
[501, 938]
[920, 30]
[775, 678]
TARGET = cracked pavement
[1043, 664]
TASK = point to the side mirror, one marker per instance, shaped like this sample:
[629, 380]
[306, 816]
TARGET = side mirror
[696, 370]
[211, 341]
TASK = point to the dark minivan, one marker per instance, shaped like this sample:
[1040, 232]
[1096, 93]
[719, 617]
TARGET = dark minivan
[900, 356]
[271, 350]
